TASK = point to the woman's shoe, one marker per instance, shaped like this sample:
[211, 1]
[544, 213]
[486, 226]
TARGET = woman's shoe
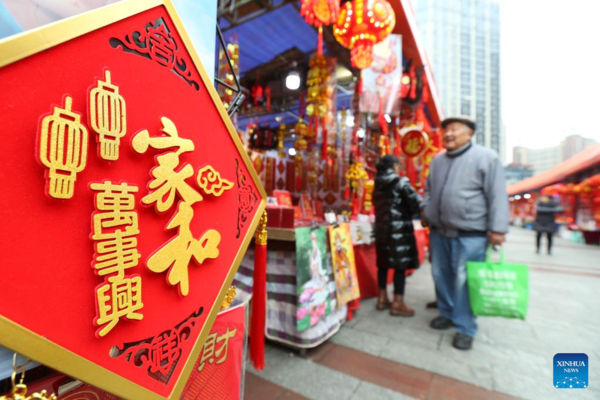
[383, 302]
[399, 309]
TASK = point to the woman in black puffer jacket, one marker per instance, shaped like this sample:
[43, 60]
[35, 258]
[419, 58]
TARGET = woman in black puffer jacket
[395, 202]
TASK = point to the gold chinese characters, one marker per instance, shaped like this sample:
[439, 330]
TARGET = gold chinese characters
[107, 117]
[169, 181]
[114, 230]
[63, 150]
[211, 353]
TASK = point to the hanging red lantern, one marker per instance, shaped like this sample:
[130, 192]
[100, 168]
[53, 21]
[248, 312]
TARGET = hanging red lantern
[361, 25]
[320, 12]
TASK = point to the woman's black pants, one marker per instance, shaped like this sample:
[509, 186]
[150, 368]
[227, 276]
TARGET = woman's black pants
[539, 240]
[399, 279]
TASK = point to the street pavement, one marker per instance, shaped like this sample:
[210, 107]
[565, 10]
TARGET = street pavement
[377, 356]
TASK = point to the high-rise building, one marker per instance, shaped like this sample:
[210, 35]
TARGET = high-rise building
[544, 159]
[462, 38]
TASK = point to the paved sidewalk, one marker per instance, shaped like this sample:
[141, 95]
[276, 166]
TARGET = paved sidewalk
[509, 357]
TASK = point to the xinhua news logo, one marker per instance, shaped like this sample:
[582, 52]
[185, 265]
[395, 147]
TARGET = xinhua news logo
[571, 371]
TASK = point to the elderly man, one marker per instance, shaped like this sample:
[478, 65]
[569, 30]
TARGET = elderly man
[466, 207]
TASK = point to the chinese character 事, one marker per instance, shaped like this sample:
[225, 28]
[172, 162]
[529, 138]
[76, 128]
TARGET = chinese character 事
[114, 230]
[169, 181]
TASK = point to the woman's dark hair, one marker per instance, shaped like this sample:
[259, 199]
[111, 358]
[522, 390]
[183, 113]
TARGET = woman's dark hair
[386, 162]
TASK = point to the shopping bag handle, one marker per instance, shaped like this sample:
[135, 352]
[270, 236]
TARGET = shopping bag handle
[489, 252]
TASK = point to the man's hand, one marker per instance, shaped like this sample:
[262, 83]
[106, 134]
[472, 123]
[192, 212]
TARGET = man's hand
[424, 221]
[496, 239]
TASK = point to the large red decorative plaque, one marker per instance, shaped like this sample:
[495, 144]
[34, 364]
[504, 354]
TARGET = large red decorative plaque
[128, 201]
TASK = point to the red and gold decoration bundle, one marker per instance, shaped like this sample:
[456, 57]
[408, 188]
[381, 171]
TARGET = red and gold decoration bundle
[361, 25]
[320, 107]
[141, 230]
[226, 74]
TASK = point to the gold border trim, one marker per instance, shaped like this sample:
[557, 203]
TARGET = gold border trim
[26, 342]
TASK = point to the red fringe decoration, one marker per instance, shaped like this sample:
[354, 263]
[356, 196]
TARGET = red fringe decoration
[320, 42]
[324, 154]
[259, 307]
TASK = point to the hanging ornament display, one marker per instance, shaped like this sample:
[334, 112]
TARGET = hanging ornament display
[225, 72]
[361, 25]
[321, 99]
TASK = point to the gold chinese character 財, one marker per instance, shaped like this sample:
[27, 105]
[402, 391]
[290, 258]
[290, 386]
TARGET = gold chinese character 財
[63, 150]
[108, 117]
[218, 356]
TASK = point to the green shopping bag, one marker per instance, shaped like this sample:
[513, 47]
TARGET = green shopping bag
[498, 289]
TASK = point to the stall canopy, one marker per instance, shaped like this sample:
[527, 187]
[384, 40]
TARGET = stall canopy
[273, 32]
[413, 48]
[586, 159]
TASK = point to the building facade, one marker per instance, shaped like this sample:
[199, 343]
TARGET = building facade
[462, 38]
[543, 159]
[516, 173]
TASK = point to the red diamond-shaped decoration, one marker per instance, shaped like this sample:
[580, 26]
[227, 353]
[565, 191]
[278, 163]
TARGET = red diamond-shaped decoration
[129, 199]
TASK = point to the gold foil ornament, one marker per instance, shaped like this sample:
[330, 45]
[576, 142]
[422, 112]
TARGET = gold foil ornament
[63, 150]
[108, 117]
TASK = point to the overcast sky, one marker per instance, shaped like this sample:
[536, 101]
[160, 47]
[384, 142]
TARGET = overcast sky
[550, 59]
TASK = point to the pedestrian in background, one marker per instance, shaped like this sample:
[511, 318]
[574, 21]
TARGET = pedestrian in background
[396, 203]
[466, 207]
[545, 220]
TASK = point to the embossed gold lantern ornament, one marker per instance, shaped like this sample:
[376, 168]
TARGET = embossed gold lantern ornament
[361, 25]
[108, 117]
[63, 150]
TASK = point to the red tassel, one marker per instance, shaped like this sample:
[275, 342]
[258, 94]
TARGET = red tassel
[268, 98]
[259, 297]
[320, 41]
[325, 144]
[382, 121]
[425, 95]
[397, 142]
[413, 84]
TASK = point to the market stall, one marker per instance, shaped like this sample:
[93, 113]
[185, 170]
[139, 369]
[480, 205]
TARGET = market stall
[315, 120]
[575, 183]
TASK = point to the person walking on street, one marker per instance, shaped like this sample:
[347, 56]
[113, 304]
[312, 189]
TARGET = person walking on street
[395, 202]
[546, 210]
[466, 207]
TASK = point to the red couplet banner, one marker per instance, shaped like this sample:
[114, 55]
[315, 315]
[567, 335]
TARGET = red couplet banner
[128, 199]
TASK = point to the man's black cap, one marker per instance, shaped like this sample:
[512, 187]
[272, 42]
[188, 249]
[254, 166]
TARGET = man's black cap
[463, 120]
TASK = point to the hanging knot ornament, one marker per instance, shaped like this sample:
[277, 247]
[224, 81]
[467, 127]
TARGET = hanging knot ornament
[361, 25]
